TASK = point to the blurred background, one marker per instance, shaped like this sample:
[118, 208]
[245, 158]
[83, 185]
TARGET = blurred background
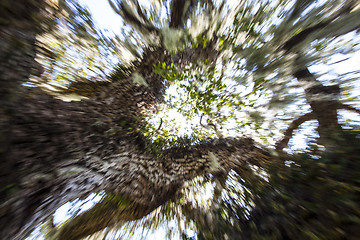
[179, 119]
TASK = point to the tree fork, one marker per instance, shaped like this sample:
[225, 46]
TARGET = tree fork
[61, 151]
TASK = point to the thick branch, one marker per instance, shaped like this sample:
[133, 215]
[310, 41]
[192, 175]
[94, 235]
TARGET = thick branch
[18, 31]
[322, 99]
[124, 10]
[154, 181]
[59, 151]
[111, 210]
[307, 117]
[300, 37]
[179, 9]
[46, 132]
[104, 156]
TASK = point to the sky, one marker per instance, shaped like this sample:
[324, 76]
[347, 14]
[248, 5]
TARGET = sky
[103, 15]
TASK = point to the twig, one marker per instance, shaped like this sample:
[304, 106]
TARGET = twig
[161, 121]
[201, 120]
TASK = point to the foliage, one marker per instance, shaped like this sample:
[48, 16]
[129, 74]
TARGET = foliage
[314, 195]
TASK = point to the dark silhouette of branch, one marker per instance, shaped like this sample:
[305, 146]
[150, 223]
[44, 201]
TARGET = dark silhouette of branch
[289, 132]
[300, 37]
[325, 111]
[178, 12]
[318, 97]
[348, 107]
[201, 120]
[161, 122]
[304, 118]
[209, 124]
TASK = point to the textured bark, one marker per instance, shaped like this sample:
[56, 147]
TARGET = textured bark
[45, 132]
[65, 150]
[55, 151]
[39, 133]
[17, 52]
[142, 183]
[18, 30]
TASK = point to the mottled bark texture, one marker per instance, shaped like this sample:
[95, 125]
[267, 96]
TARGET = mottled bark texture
[55, 151]
[18, 29]
[62, 151]
[17, 52]
[67, 150]
[142, 183]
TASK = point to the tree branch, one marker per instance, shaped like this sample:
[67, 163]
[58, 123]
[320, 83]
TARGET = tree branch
[161, 122]
[298, 38]
[289, 132]
[202, 115]
[322, 100]
[154, 181]
[128, 15]
[301, 36]
[348, 107]
[307, 117]
[178, 13]
[111, 210]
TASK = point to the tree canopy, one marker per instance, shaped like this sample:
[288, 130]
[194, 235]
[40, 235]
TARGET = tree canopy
[209, 119]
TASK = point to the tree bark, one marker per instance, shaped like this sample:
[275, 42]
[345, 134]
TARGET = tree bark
[63, 151]
[18, 31]
[17, 52]
[142, 183]
[55, 151]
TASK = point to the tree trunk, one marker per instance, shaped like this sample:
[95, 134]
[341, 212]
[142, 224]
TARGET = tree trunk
[63, 151]
[17, 52]
[17, 40]
[54, 151]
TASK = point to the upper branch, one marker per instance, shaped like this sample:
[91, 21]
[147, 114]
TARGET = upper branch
[340, 21]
